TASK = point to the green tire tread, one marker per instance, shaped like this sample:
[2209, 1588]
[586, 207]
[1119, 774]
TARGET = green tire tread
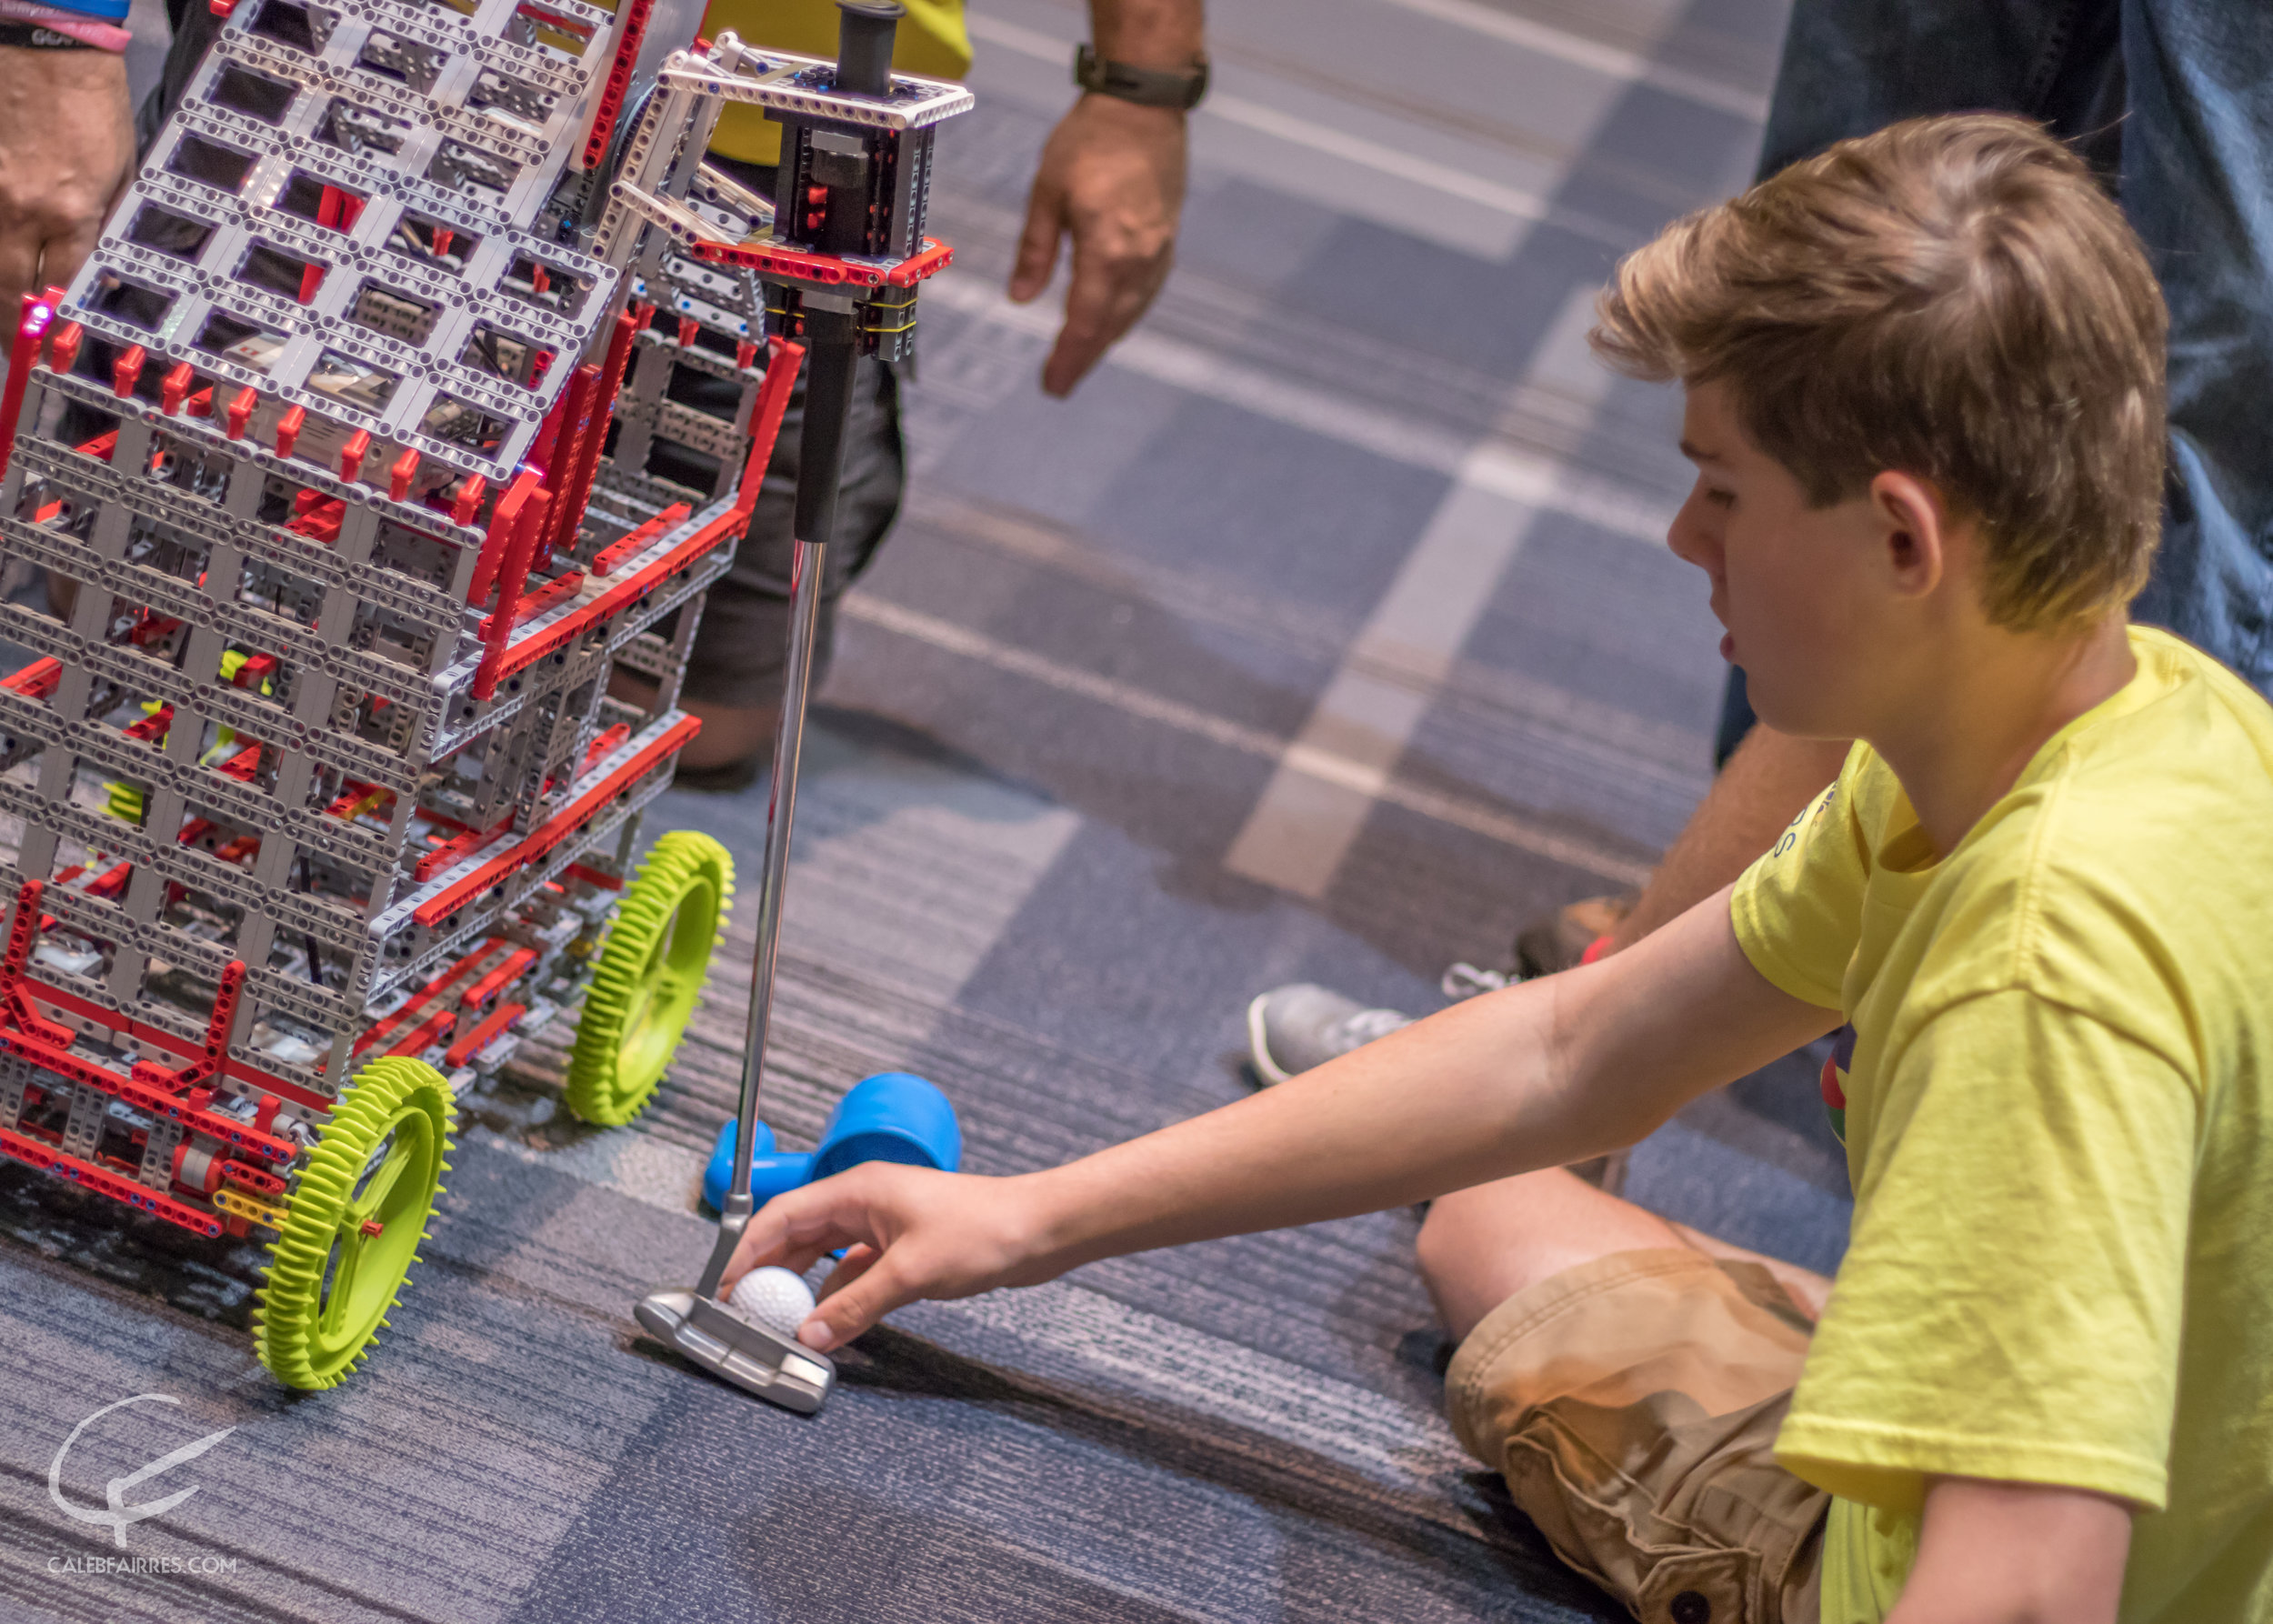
[309, 1331]
[649, 977]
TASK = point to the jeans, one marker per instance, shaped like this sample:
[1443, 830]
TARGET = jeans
[2172, 101]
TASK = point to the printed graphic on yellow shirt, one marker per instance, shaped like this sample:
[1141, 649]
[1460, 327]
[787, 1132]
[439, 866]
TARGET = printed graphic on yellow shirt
[1836, 1066]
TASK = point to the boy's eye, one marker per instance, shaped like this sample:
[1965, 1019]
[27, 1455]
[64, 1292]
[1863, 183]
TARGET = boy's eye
[1720, 499]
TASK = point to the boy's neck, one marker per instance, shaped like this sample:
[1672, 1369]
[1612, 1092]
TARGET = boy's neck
[1987, 712]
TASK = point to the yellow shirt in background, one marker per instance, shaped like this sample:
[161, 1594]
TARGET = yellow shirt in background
[2058, 1117]
[932, 43]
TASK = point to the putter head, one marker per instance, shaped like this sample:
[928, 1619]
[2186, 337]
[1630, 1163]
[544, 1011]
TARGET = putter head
[752, 1357]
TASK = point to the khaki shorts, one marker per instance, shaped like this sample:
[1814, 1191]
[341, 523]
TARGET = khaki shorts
[1632, 1403]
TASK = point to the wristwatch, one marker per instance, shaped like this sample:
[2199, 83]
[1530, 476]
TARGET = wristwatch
[1146, 86]
[31, 37]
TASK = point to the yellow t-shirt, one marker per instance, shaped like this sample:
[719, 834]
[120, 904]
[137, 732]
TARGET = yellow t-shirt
[932, 42]
[2058, 1115]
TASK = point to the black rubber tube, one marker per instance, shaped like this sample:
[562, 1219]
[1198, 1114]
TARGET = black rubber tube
[829, 388]
[863, 44]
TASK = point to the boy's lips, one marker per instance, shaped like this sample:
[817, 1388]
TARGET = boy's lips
[1728, 647]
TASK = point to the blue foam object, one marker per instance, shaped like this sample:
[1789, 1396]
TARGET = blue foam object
[770, 1173]
[894, 1115]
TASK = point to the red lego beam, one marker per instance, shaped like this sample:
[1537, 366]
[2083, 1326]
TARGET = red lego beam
[103, 1181]
[828, 269]
[31, 332]
[611, 93]
[540, 842]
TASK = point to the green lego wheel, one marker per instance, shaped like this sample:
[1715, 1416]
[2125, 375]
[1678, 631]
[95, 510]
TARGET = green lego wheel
[650, 975]
[352, 1225]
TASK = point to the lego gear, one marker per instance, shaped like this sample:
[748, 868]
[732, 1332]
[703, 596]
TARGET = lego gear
[651, 973]
[331, 1278]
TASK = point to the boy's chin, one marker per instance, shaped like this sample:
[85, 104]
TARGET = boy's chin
[1791, 715]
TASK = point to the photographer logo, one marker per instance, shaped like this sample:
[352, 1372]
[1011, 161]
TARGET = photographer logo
[116, 1512]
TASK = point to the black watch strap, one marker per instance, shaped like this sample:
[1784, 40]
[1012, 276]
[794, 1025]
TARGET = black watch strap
[31, 37]
[1146, 86]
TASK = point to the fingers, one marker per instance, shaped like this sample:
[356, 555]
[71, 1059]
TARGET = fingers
[19, 268]
[794, 1231]
[849, 1308]
[1106, 297]
[61, 255]
[66, 150]
[797, 1229]
[1037, 243]
[909, 1233]
[66, 250]
[854, 1263]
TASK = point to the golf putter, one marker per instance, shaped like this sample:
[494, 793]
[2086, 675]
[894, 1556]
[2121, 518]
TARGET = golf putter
[748, 1354]
[841, 270]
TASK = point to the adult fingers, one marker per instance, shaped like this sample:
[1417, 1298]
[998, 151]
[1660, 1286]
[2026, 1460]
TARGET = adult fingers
[60, 256]
[65, 251]
[66, 149]
[19, 269]
[1037, 242]
[1106, 297]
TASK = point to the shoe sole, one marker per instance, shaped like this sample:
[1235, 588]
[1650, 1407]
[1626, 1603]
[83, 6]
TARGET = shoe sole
[725, 777]
[1268, 1071]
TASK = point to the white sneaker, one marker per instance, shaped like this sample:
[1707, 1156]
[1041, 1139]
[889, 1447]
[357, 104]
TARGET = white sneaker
[1463, 980]
[1292, 1028]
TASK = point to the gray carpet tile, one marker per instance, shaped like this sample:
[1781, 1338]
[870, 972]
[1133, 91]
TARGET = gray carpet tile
[1070, 683]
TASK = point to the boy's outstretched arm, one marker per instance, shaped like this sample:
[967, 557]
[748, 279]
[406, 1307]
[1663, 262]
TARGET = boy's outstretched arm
[1550, 1072]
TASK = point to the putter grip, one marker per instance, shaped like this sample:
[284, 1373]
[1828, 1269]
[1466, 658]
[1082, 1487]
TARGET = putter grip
[827, 412]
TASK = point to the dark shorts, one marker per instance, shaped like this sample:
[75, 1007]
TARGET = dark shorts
[743, 642]
[742, 647]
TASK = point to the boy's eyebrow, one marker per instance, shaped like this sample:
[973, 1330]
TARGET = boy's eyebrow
[1696, 454]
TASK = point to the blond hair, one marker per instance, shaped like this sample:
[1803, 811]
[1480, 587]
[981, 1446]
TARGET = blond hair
[1955, 298]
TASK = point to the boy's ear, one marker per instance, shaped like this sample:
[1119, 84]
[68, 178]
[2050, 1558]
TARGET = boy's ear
[1914, 529]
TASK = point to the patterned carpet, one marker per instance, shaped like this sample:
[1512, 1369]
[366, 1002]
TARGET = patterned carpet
[1326, 635]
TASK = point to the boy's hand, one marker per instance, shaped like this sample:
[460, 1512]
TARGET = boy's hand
[911, 1232]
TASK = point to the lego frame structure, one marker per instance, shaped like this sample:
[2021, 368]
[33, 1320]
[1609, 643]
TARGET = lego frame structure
[377, 464]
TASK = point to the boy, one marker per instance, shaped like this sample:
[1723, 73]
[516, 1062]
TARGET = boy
[1924, 397]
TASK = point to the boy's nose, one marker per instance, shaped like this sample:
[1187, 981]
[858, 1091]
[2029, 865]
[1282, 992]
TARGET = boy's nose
[1691, 540]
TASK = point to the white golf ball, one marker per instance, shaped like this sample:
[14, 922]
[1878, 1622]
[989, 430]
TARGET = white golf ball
[773, 1297]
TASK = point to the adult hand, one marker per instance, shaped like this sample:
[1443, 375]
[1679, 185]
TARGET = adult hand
[66, 148]
[911, 1232]
[1112, 177]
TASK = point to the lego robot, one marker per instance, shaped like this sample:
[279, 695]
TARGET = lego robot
[423, 377]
